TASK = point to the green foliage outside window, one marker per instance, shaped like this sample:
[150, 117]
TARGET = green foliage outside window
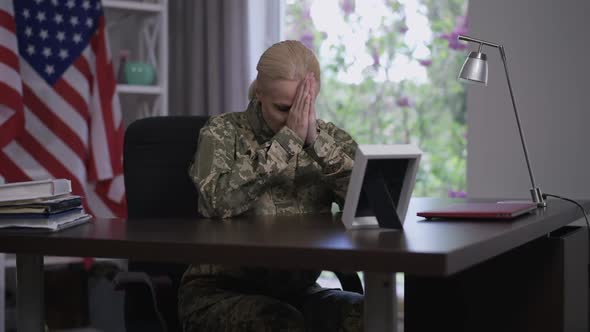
[381, 103]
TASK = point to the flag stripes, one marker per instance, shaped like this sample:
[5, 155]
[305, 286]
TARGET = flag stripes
[68, 126]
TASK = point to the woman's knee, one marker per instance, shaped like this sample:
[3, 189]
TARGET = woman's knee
[261, 313]
[247, 313]
[334, 310]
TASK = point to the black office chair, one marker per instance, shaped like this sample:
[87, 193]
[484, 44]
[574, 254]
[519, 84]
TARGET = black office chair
[157, 154]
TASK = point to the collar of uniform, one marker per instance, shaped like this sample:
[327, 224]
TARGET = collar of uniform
[259, 126]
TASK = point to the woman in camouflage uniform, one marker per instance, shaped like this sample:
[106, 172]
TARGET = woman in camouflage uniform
[274, 158]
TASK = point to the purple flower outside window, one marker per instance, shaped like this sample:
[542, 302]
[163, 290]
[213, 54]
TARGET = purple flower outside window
[375, 56]
[425, 62]
[457, 194]
[347, 7]
[460, 29]
[403, 102]
[307, 13]
[457, 45]
[307, 40]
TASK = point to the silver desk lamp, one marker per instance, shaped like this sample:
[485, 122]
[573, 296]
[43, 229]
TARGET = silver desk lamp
[475, 69]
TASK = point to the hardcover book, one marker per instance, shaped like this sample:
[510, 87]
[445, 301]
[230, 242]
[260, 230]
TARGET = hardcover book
[34, 189]
[43, 207]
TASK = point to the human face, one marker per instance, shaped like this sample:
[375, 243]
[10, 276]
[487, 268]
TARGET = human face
[276, 99]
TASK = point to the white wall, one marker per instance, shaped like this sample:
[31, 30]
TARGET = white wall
[548, 52]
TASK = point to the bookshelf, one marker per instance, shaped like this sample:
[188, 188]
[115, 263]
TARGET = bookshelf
[135, 6]
[140, 27]
[10, 260]
[138, 89]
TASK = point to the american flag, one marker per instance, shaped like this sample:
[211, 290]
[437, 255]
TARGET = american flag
[60, 116]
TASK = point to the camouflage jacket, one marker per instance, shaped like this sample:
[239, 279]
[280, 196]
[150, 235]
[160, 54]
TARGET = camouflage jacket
[243, 167]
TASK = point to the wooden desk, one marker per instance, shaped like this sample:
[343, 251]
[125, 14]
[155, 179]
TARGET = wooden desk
[424, 250]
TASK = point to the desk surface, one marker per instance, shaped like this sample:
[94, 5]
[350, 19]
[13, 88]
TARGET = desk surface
[436, 248]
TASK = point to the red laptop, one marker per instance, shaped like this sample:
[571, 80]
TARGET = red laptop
[488, 210]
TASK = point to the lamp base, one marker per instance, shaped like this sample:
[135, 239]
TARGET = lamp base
[537, 196]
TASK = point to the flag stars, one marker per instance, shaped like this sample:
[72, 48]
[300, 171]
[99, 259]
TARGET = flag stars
[53, 33]
[63, 54]
[41, 17]
[58, 18]
[47, 52]
[30, 49]
[61, 36]
[49, 69]
[43, 34]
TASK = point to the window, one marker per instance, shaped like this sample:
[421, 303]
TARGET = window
[389, 75]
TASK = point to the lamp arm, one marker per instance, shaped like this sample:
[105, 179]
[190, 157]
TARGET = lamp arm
[536, 193]
[478, 41]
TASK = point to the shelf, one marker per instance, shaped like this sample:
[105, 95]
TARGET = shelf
[10, 261]
[139, 89]
[133, 6]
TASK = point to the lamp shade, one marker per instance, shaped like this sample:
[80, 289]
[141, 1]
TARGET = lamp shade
[475, 68]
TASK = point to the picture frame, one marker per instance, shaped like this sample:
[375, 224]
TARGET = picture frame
[381, 186]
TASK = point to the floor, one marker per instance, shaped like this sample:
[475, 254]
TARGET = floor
[107, 305]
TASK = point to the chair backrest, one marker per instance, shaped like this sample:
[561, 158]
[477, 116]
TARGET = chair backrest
[156, 157]
[157, 154]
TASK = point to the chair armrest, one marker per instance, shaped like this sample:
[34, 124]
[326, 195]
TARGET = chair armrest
[350, 281]
[160, 289]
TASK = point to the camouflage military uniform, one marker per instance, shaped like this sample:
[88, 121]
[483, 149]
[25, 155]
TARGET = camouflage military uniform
[243, 167]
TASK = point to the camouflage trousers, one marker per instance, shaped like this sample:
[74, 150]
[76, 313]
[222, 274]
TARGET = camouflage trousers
[204, 306]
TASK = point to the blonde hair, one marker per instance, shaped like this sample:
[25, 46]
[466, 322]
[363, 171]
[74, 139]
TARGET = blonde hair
[286, 60]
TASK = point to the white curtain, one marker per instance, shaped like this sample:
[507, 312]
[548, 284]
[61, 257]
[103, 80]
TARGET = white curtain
[214, 47]
[265, 27]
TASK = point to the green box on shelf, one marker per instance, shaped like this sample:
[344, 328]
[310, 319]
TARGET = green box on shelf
[139, 73]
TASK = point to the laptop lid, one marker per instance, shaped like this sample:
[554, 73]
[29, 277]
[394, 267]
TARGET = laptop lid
[484, 210]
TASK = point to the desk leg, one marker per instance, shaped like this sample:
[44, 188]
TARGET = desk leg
[380, 302]
[30, 303]
[2, 291]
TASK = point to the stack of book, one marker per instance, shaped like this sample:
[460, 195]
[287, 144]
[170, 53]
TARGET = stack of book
[43, 205]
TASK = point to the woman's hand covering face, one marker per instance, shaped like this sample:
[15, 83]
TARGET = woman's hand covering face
[298, 119]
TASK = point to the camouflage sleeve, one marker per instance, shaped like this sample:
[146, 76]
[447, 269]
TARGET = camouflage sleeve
[229, 182]
[334, 151]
